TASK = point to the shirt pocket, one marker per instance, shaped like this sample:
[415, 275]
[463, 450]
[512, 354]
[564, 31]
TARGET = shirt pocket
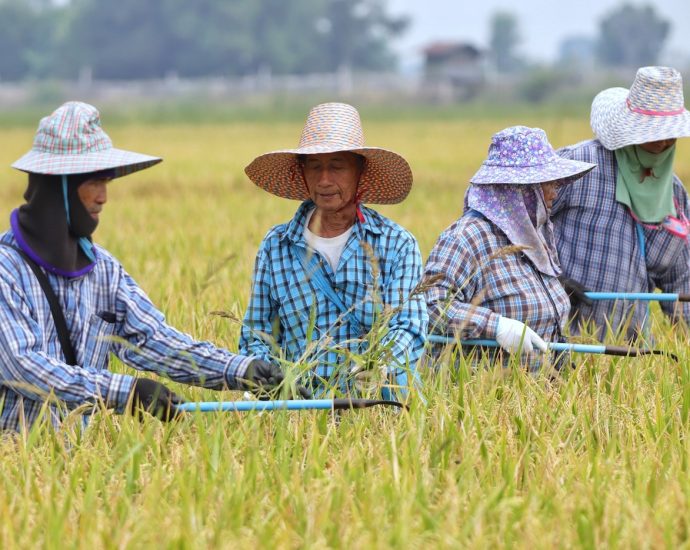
[99, 340]
[359, 296]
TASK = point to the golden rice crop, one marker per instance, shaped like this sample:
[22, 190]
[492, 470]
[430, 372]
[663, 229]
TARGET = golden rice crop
[494, 458]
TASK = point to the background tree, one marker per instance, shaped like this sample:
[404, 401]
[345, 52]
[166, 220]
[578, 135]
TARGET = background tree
[27, 35]
[632, 36]
[135, 39]
[286, 37]
[357, 34]
[577, 50]
[503, 42]
[118, 40]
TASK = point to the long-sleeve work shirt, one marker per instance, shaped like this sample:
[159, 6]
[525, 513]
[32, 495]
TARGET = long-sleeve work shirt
[106, 312]
[289, 316]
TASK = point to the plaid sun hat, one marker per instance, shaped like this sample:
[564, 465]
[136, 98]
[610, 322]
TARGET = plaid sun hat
[653, 109]
[522, 155]
[71, 141]
[331, 128]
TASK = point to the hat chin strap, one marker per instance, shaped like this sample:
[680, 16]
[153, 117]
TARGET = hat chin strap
[358, 202]
[84, 243]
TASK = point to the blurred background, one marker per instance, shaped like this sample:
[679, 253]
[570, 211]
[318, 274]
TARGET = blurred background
[206, 59]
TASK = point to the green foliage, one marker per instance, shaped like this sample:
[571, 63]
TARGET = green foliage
[632, 36]
[503, 42]
[26, 37]
[358, 33]
[130, 39]
[541, 83]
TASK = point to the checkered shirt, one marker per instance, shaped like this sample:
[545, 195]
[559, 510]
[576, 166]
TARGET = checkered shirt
[284, 297]
[598, 245]
[478, 283]
[106, 312]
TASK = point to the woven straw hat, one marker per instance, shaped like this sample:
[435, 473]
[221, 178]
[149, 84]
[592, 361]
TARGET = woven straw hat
[522, 155]
[71, 141]
[331, 128]
[653, 109]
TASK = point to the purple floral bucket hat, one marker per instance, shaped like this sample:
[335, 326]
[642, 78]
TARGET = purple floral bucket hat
[522, 155]
[71, 141]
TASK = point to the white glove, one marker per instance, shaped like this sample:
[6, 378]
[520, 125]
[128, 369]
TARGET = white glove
[366, 381]
[510, 333]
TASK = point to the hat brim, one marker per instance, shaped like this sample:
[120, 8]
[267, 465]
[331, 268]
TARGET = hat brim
[123, 162]
[558, 169]
[616, 126]
[387, 177]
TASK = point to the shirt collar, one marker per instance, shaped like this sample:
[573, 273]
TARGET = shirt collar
[295, 228]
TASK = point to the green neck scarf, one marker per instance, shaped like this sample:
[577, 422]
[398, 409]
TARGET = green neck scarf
[645, 182]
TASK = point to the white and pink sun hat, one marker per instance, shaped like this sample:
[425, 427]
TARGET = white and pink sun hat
[71, 141]
[652, 110]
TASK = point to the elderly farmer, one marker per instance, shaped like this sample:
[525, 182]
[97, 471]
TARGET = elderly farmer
[63, 298]
[624, 226]
[483, 288]
[337, 270]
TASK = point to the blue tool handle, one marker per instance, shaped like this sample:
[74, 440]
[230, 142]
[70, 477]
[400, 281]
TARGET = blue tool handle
[287, 405]
[620, 351]
[553, 346]
[641, 296]
[240, 406]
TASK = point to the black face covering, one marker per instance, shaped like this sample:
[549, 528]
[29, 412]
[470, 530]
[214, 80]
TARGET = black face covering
[43, 221]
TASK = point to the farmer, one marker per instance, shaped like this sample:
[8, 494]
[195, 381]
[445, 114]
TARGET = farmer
[485, 289]
[69, 167]
[334, 288]
[624, 227]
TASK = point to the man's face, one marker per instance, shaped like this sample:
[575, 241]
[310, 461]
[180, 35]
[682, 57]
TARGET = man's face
[656, 147]
[93, 195]
[332, 179]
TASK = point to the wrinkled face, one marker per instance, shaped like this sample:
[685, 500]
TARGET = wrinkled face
[93, 194]
[656, 147]
[332, 179]
[550, 190]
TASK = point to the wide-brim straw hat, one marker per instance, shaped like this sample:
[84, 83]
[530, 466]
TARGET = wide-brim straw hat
[71, 141]
[332, 128]
[652, 110]
[520, 155]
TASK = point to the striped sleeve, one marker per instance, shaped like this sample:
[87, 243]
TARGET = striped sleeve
[152, 345]
[29, 370]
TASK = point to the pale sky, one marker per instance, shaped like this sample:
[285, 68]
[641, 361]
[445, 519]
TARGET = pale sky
[542, 23]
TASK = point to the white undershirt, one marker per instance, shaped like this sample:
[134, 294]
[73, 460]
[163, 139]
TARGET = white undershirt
[330, 248]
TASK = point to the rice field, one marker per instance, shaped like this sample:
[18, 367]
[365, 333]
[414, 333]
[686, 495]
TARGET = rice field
[495, 458]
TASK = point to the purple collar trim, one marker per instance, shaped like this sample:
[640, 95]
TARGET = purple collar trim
[14, 224]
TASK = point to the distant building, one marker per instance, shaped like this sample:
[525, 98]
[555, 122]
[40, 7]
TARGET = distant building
[453, 70]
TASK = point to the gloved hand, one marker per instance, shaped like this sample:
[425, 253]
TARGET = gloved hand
[509, 336]
[366, 381]
[262, 377]
[575, 291]
[154, 398]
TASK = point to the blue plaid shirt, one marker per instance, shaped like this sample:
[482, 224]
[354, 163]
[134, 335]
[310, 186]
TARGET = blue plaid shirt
[285, 301]
[478, 282]
[598, 245]
[106, 312]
